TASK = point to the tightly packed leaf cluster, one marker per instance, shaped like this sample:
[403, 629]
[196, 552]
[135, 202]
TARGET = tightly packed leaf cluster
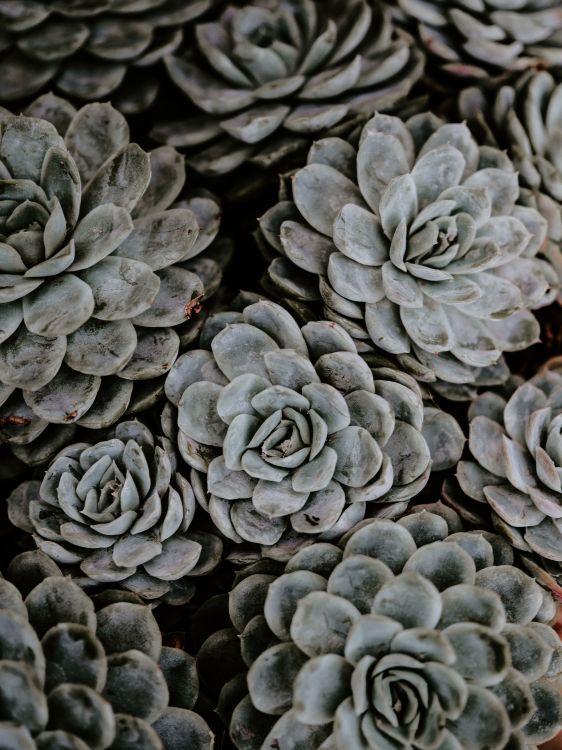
[73, 678]
[407, 635]
[276, 275]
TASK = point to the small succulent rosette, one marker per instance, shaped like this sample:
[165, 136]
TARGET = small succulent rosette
[91, 50]
[515, 467]
[72, 678]
[289, 433]
[412, 634]
[417, 243]
[268, 76]
[486, 41]
[118, 512]
[526, 119]
[100, 272]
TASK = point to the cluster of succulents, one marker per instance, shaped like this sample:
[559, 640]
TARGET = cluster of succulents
[280, 374]
[73, 678]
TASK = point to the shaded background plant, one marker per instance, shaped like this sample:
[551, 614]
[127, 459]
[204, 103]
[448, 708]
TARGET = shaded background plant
[266, 77]
[90, 51]
[75, 678]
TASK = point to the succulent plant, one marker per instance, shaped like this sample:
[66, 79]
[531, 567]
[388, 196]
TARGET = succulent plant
[121, 511]
[289, 433]
[487, 40]
[515, 466]
[269, 75]
[410, 634]
[90, 50]
[415, 243]
[526, 119]
[99, 278]
[72, 678]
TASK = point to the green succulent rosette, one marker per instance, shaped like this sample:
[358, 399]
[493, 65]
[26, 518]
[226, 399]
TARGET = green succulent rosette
[269, 75]
[119, 512]
[514, 469]
[291, 435]
[100, 271]
[90, 50]
[486, 41]
[418, 244]
[73, 678]
[411, 634]
[526, 119]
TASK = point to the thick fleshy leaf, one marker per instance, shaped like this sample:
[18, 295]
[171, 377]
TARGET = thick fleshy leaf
[198, 416]
[99, 233]
[240, 349]
[122, 288]
[409, 599]
[321, 623]
[161, 239]
[320, 192]
[122, 180]
[321, 685]
[59, 307]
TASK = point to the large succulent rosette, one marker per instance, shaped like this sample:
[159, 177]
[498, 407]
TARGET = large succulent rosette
[411, 634]
[416, 244]
[288, 431]
[526, 119]
[119, 512]
[269, 75]
[487, 41]
[72, 678]
[99, 283]
[90, 50]
[515, 466]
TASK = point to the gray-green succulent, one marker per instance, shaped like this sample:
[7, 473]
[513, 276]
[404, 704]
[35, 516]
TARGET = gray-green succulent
[290, 433]
[417, 243]
[72, 678]
[91, 50]
[119, 512]
[268, 75]
[98, 274]
[515, 466]
[487, 40]
[409, 635]
[526, 119]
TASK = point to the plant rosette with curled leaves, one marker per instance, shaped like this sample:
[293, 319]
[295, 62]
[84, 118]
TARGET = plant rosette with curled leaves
[119, 512]
[410, 634]
[416, 242]
[289, 432]
[73, 678]
[514, 469]
[100, 272]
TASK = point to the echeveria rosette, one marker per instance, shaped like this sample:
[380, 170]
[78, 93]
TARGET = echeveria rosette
[98, 276]
[119, 512]
[487, 41]
[91, 50]
[270, 75]
[515, 466]
[415, 243]
[526, 119]
[72, 678]
[409, 634]
[287, 430]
